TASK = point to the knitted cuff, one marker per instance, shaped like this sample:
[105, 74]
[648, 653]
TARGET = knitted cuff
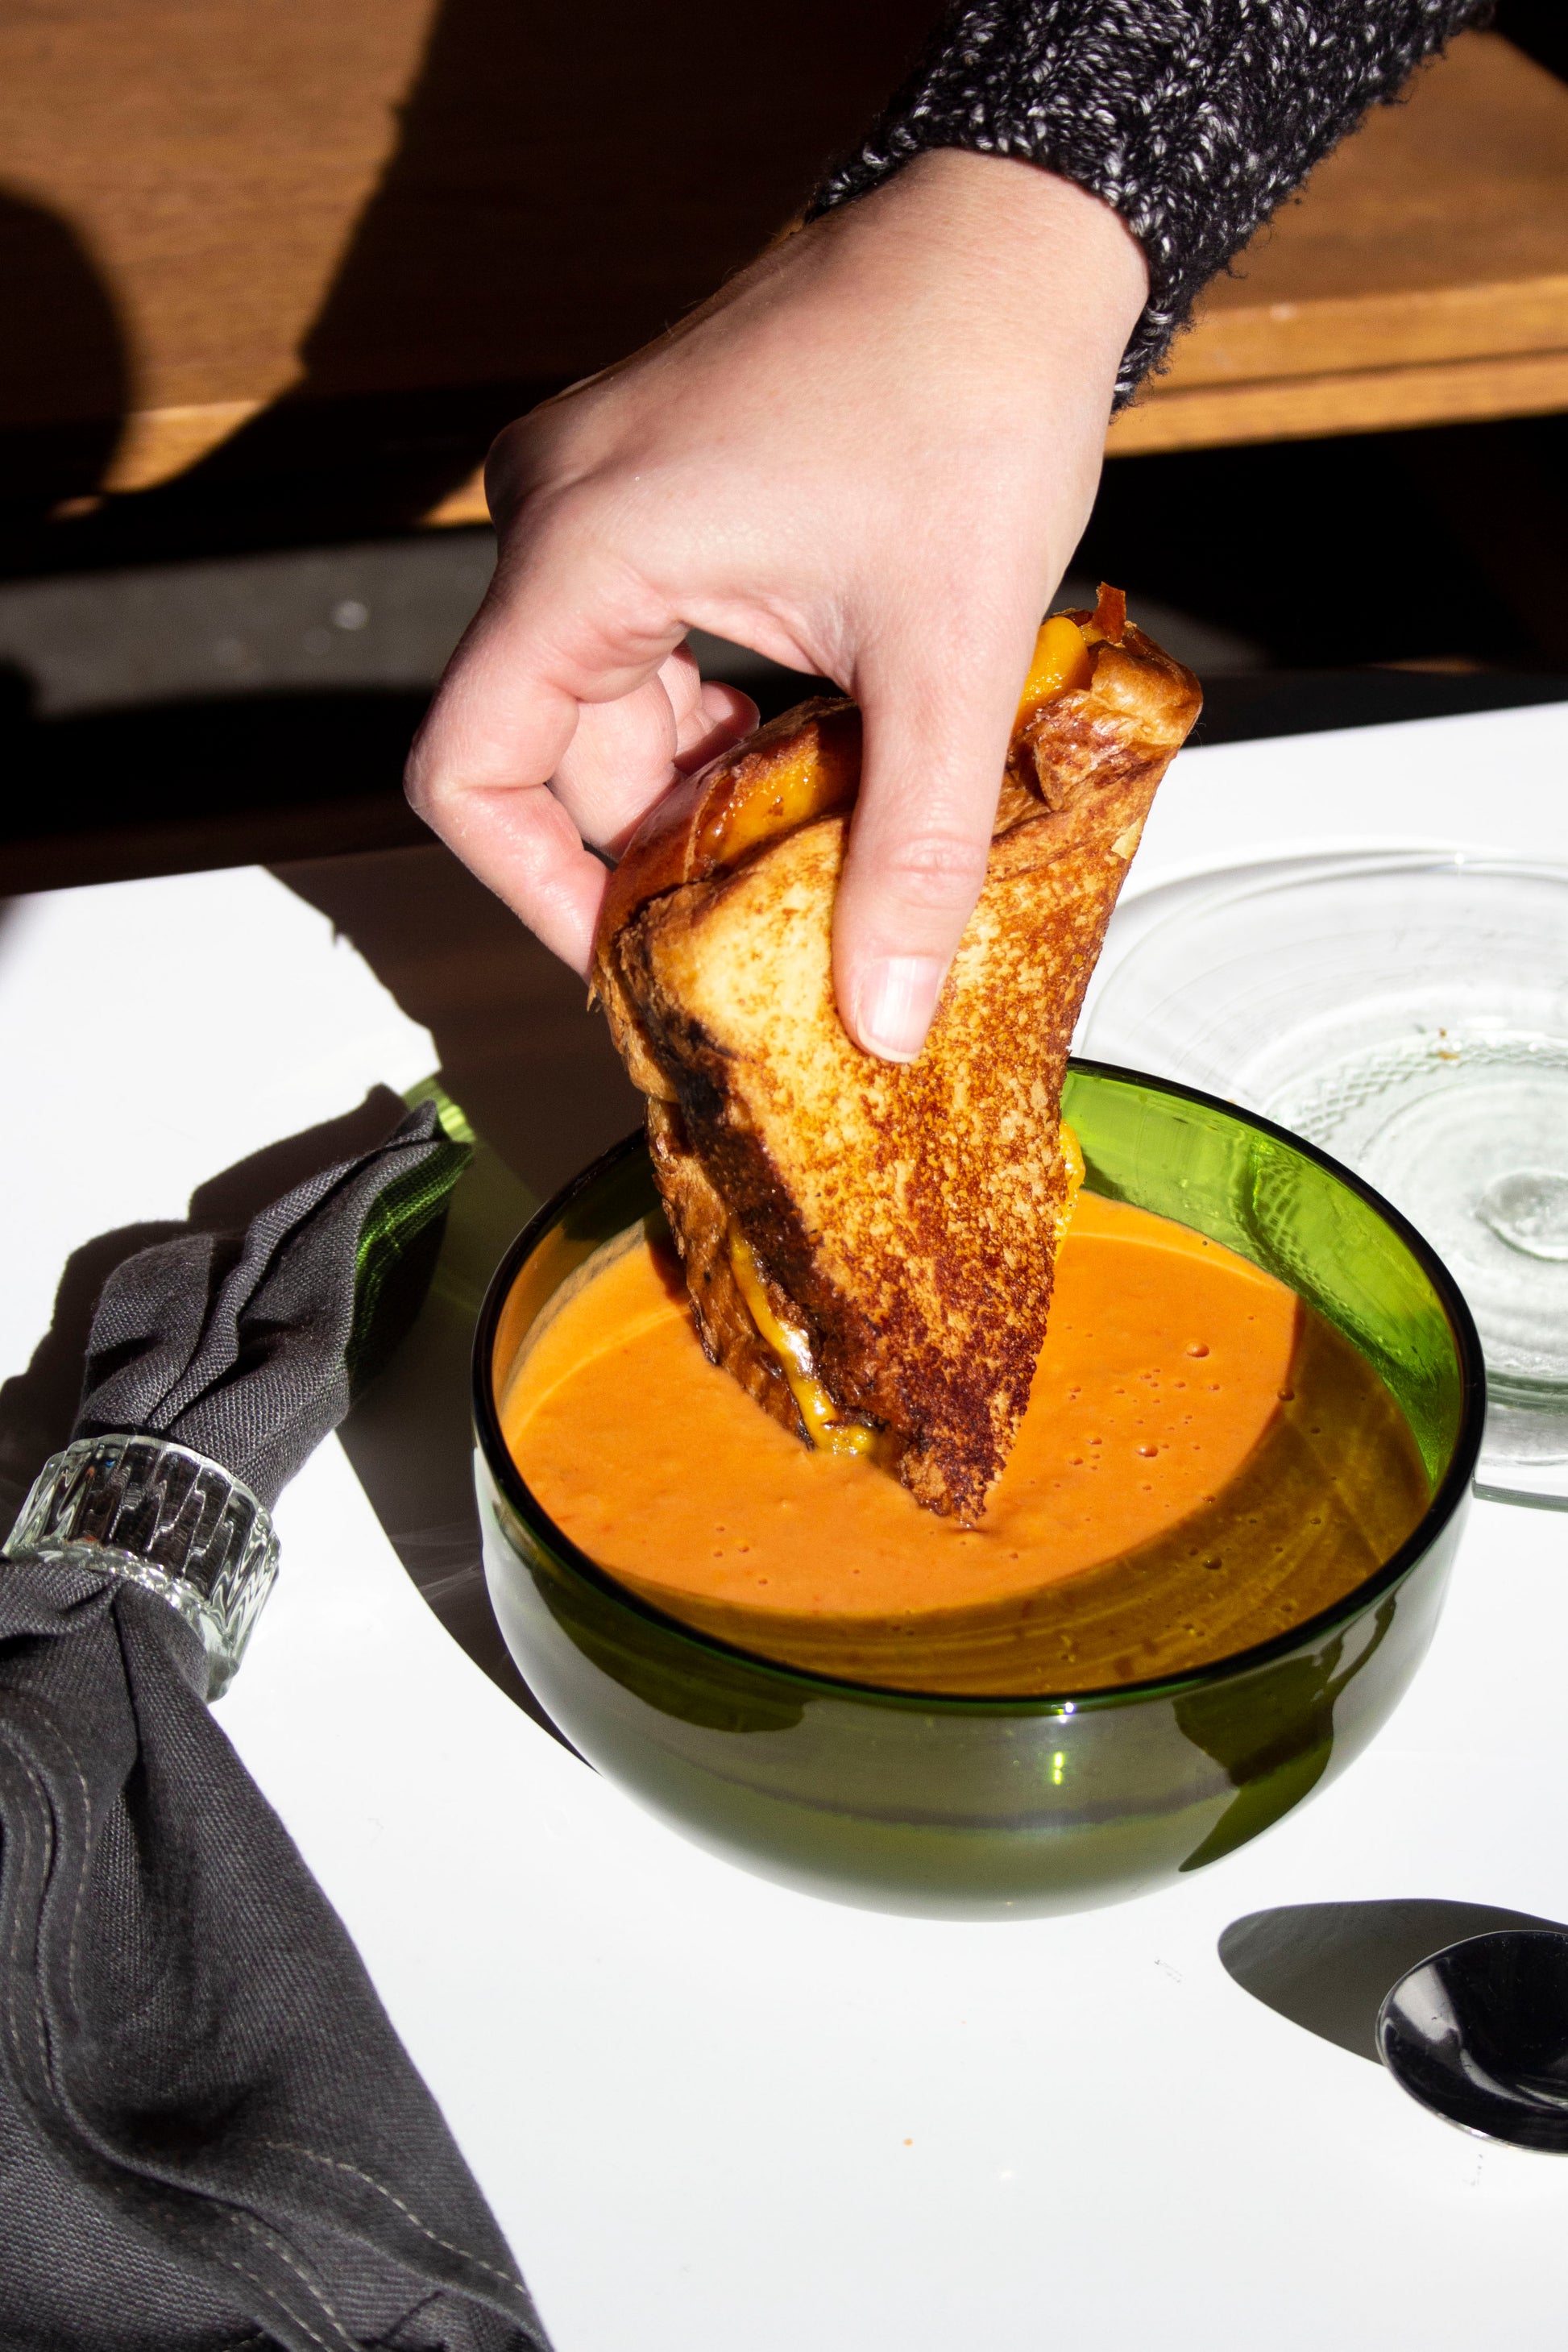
[1195, 119]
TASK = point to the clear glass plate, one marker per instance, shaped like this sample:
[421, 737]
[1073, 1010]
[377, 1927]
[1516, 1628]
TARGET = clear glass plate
[1409, 1015]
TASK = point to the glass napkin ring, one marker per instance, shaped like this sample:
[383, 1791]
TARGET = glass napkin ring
[165, 1519]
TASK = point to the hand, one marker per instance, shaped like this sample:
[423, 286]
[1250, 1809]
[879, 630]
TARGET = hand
[869, 456]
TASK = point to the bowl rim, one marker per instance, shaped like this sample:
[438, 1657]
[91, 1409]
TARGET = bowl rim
[1448, 1495]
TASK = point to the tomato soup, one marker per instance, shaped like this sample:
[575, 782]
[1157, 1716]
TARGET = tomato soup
[1205, 1463]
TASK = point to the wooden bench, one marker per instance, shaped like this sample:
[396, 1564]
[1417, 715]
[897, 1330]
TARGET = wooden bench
[222, 214]
[1422, 278]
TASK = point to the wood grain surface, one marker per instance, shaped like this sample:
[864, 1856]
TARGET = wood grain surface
[215, 213]
[1423, 275]
[385, 197]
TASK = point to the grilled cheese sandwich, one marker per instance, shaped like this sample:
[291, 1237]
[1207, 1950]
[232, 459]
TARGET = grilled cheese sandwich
[869, 1246]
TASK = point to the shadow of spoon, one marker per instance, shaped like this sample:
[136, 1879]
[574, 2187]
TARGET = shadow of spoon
[1466, 2004]
[1328, 1966]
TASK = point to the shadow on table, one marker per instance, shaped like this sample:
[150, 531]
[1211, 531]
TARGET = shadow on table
[535, 1072]
[410, 1435]
[1327, 1966]
[1246, 707]
[515, 1043]
[37, 1407]
[407, 1436]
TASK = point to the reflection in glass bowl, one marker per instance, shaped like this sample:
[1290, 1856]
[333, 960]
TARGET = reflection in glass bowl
[1410, 1016]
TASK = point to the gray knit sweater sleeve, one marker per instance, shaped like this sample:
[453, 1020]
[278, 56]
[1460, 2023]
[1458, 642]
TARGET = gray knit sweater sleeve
[1194, 117]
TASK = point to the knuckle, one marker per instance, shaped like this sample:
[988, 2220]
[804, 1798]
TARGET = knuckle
[936, 869]
[519, 458]
[416, 789]
[420, 778]
[442, 770]
[433, 772]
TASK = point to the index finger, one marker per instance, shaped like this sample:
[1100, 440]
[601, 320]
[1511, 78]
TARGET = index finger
[557, 629]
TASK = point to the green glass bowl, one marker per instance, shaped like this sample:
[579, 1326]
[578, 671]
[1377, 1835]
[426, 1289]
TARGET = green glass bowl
[976, 1807]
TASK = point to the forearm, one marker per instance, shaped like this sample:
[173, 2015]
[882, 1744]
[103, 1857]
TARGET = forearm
[1195, 119]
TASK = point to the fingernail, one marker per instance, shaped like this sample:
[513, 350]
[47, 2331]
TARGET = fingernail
[894, 1003]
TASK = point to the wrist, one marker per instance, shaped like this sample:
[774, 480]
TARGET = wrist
[1048, 228]
[1054, 255]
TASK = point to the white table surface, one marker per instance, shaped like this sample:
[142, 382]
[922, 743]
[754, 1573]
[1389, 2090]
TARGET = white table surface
[716, 2116]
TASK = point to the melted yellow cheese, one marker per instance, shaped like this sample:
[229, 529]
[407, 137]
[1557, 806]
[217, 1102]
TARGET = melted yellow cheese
[820, 774]
[827, 1432]
[1071, 1150]
[1060, 660]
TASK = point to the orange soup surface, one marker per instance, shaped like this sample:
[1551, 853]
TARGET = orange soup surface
[1203, 1463]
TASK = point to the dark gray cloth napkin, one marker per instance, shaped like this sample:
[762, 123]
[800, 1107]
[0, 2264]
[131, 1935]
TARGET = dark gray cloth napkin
[210, 2136]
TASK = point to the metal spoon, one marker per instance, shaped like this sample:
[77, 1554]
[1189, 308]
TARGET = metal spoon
[1479, 2034]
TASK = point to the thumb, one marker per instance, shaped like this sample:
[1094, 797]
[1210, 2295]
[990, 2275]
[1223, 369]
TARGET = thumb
[936, 736]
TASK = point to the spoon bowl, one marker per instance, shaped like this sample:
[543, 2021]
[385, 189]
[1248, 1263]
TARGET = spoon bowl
[1478, 2034]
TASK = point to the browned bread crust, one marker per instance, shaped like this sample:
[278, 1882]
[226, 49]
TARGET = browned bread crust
[905, 1218]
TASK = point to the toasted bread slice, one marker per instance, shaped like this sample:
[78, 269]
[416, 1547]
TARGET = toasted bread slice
[869, 1248]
